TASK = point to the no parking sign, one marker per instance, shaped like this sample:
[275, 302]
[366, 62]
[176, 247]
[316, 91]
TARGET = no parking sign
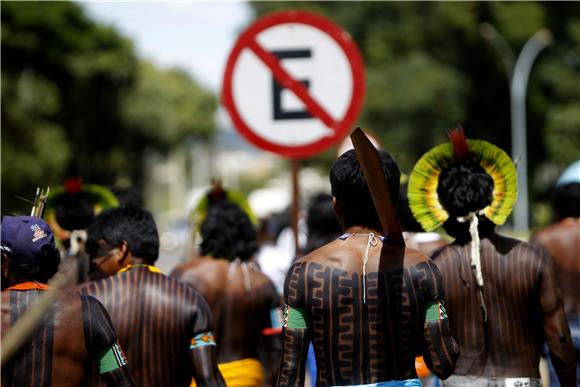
[294, 83]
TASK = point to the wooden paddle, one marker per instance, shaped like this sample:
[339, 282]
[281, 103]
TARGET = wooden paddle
[370, 163]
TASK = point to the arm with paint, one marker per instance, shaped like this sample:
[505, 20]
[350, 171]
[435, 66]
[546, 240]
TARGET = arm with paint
[113, 367]
[202, 348]
[296, 329]
[556, 328]
[102, 340]
[271, 333]
[440, 349]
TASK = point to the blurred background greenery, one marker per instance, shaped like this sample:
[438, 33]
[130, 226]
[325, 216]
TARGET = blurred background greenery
[76, 99]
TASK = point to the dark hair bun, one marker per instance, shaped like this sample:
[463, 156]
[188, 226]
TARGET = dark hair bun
[465, 188]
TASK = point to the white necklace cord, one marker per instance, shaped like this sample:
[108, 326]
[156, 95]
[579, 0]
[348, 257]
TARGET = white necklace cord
[247, 279]
[373, 241]
[475, 255]
[245, 272]
[75, 236]
[232, 268]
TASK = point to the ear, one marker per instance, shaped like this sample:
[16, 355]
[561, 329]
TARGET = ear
[124, 254]
[336, 208]
[337, 211]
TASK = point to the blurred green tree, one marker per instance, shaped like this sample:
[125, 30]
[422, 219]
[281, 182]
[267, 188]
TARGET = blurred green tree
[429, 68]
[166, 106]
[76, 98]
[62, 76]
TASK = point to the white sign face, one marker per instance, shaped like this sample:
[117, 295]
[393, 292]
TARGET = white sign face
[319, 61]
[294, 87]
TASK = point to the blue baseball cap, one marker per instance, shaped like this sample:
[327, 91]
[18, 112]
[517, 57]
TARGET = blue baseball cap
[23, 237]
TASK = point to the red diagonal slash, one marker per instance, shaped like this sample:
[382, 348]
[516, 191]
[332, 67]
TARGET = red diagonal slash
[290, 83]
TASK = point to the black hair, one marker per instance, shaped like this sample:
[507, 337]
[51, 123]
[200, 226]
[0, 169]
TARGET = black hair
[74, 212]
[323, 225]
[132, 224]
[48, 260]
[227, 232]
[566, 201]
[465, 188]
[404, 213]
[351, 192]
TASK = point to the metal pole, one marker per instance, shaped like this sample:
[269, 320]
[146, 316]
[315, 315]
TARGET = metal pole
[518, 76]
[518, 91]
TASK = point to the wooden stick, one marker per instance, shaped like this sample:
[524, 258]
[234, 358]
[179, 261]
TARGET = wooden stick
[370, 163]
[25, 326]
[295, 218]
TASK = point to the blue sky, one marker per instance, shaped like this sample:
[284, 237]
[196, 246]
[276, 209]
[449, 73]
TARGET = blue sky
[195, 36]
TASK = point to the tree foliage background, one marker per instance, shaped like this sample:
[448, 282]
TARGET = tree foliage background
[76, 100]
[75, 96]
[429, 68]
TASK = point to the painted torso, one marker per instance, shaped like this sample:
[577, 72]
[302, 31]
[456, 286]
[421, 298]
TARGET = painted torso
[74, 331]
[518, 287]
[363, 338]
[155, 317]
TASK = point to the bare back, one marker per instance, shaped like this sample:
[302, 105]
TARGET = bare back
[74, 332]
[562, 240]
[156, 317]
[364, 329]
[241, 300]
[523, 307]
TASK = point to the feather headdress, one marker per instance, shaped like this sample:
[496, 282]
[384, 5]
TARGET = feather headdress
[424, 179]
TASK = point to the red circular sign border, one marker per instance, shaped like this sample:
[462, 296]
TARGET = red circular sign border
[341, 38]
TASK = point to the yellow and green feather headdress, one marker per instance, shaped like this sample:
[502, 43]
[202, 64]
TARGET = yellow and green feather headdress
[100, 197]
[423, 181]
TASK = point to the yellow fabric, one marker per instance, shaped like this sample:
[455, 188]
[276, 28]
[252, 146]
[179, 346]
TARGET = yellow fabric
[152, 269]
[241, 373]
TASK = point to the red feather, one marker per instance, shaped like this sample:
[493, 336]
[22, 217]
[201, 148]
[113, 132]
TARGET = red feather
[73, 185]
[459, 142]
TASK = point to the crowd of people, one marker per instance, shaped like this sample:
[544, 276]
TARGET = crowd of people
[353, 309]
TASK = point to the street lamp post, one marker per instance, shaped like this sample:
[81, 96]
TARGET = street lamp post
[518, 75]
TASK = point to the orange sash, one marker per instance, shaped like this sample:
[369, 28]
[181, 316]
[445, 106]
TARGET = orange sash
[31, 285]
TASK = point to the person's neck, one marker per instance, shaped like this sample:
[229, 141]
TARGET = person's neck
[138, 261]
[465, 238]
[362, 230]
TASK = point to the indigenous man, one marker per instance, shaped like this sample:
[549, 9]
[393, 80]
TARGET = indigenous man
[501, 293]
[74, 332]
[562, 240]
[163, 324]
[243, 301]
[366, 325]
[70, 209]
